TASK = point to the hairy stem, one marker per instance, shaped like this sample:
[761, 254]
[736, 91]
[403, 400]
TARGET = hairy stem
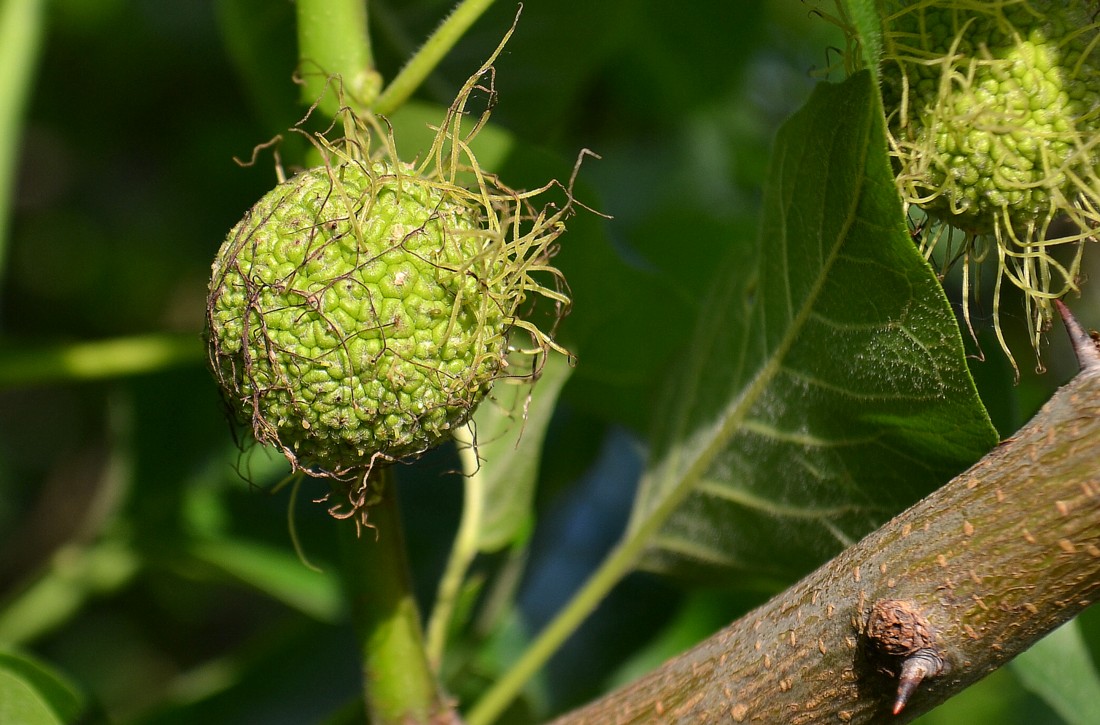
[421, 65]
[397, 680]
[990, 563]
[335, 57]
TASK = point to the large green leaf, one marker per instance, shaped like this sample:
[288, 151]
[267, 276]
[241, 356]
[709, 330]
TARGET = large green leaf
[826, 386]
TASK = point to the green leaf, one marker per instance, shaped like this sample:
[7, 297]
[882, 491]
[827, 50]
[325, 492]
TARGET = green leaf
[510, 434]
[74, 575]
[413, 131]
[278, 573]
[501, 467]
[37, 364]
[33, 694]
[1059, 669]
[826, 387]
[21, 26]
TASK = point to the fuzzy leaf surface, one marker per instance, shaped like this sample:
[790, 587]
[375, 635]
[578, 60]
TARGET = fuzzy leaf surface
[826, 386]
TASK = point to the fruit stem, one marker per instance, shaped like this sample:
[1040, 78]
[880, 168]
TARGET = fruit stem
[335, 59]
[421, 65]
[398, 683]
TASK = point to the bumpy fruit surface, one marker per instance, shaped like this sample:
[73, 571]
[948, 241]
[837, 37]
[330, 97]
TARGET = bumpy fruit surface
[994, 105]
[355, 312]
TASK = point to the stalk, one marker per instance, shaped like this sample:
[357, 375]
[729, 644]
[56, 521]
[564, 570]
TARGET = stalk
[397, 681]
[430, 54]
[334, 48]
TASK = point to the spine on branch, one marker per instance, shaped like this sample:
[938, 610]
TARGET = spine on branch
[940, 596]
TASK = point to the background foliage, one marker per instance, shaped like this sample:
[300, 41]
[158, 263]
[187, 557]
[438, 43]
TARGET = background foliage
[143, 556]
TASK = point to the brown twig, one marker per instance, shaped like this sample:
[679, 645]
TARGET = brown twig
[985, 566]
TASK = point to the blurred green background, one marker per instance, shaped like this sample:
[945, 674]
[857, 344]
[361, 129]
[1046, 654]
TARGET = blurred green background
[145, 556]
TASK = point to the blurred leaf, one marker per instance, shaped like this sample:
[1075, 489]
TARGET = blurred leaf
[826, 388]
[277, 573]
[996, 699]
[260, 39]
[687, 59]
[501, 466]
[20, 35]
[22, 364]
[1059, 669]
[1088, 622]
[413, 132]
[74, 575]
[33, 694]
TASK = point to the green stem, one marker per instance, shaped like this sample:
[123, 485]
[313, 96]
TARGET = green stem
[430, 54]
[464, 550]
[398, 683]
[333, 44]
[37, 364]
[617, 565]
[20, 36]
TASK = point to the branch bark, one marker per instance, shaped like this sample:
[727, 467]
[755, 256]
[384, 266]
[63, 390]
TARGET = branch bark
[939, 597]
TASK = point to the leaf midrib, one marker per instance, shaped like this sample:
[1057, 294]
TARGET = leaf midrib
[735, 414]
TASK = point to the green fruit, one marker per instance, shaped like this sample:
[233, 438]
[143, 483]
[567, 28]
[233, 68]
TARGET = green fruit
[359, 312]
[993, 115]
[993, 106]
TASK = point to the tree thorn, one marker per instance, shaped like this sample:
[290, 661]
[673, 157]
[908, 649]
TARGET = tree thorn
[1085, 346]
[899, 631]
[917, 666]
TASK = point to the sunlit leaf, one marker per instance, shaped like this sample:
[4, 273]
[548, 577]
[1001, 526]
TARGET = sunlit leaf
[276, 572]
[826, 386]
